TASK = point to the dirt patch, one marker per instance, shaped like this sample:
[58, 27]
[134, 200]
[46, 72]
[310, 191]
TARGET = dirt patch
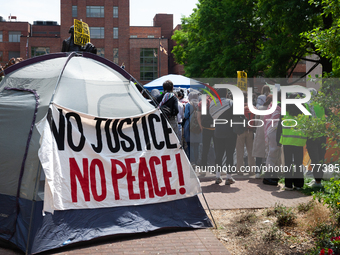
[261, 231]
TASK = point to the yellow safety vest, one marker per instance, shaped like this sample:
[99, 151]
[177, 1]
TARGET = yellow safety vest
[290, 136]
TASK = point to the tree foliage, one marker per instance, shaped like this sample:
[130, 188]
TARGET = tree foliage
[218, 39]
[267, 37]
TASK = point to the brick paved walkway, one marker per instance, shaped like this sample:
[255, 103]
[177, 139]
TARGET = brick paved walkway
[245, 193]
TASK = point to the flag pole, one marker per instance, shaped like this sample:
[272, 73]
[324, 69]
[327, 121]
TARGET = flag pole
[159, 58]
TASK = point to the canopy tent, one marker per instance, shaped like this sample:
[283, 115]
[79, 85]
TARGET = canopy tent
[84, 88]
[179, 81]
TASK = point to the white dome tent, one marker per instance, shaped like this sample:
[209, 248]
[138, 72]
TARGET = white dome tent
[95, 88]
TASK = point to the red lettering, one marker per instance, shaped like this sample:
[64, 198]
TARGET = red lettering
[144, 177]
[94, 163]
[180, 173]
[83, 179]
[156, 161]
[167, 175]
[130, 178]
[115, 175]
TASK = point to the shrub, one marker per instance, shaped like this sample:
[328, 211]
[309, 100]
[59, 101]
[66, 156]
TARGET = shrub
[305, 207]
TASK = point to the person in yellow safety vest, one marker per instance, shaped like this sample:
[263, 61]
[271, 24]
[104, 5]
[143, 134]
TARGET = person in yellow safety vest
[293, 142]
[314, 145]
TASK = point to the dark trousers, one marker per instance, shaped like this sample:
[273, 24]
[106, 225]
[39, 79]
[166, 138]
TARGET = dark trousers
[293, 155]
[225, 145]
[317, 154]
[207, 135]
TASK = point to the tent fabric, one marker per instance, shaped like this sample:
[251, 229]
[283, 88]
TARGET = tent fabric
[179, 81]
[91, 85]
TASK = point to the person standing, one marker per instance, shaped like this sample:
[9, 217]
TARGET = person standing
[245, 139]
[259, 146]
[274, 149]
[170, 102]
[293, 142]
[224, 136]
[261, 99]
[315, 147]
[180, 115]
[205, 122]
[192, 139]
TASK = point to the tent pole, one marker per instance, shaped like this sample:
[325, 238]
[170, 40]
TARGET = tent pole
[209, 210]
[72, 54]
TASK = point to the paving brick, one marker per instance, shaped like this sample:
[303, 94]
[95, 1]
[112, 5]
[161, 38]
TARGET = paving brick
[244, 194]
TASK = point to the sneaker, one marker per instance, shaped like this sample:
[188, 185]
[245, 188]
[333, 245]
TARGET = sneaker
[309, 174]
[269, 181]
[218, 180]
[257, 176]
[297, 188]
[229, 181]
[288, 188]
[313, 184]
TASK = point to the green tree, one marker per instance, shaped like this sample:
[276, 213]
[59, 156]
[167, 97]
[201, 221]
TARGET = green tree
[219, 38]
[326, 38]
[283, 22]
[269, 36]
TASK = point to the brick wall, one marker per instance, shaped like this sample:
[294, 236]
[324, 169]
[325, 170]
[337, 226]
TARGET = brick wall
[136, 45]
[144, 32]
[5, 45]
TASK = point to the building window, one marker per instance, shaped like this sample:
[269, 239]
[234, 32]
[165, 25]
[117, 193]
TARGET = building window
[148, 64]
[100, 52]
[96, 32]
[38, 51]
[0, 36]
[13, 54]
[14, 36]
[74, 11]
[151, 36]
[1, 54]
[95, 11]
[133, 36]
[115, 33]
[115, 55]
[115, 11]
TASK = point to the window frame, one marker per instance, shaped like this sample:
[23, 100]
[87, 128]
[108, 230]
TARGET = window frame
[115, 12]
[74, 11]
[34, 48]
[101, 32]
[90, 11]
[14, 34]
[115, 33]
[148, 64]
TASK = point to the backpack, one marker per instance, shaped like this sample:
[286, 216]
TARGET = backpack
[193, 125]
[166, 110]
[239, 128]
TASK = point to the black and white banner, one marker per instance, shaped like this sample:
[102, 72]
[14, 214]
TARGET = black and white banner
[92, 162]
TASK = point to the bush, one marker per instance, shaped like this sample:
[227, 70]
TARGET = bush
[247, 217]
[305, 207]
[286, 217]
[272, 235]
[330, 195]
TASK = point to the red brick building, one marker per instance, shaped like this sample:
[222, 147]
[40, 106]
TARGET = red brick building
[137, 48]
